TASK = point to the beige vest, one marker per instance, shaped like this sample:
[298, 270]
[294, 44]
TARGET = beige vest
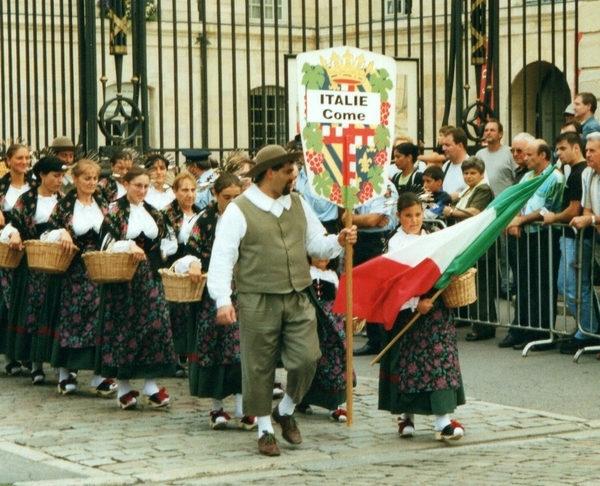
[272, 254]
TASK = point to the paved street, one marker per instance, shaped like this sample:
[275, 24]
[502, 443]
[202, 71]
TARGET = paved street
[48, 439]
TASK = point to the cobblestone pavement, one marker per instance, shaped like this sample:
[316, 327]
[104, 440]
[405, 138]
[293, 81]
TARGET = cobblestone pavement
[48, 439]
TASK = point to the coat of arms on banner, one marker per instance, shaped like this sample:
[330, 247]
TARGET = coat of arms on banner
[348, 103]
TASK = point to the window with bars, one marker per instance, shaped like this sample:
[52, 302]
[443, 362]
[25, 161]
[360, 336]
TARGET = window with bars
[398, 7]
[266, 9]
[267, 116]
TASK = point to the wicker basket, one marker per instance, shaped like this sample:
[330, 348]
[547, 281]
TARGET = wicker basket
[47, 257]
[109, 267]
[179, 288]
[461, 291]
[10, 259]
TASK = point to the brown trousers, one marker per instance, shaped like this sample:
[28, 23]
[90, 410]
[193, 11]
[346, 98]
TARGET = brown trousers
[274, 326]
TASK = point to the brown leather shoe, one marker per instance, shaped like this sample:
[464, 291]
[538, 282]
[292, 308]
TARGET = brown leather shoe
[267, 445]
[289, 426]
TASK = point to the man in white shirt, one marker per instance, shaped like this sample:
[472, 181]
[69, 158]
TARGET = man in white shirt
[455, 149]
[263, 237]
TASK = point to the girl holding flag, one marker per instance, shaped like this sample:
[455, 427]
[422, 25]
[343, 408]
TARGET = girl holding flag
[421, 374]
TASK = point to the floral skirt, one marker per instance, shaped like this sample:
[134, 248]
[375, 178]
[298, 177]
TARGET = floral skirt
[421, 373]
[215, 367]
[134, 328]
[328, 388]
[74, 344]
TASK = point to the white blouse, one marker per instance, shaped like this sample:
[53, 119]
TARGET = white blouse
[186, 228]
[159, 199]
[45, 205]
[325, 275]
[87, 217]
[12, 195]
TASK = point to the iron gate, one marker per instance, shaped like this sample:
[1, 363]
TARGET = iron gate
[171, 74]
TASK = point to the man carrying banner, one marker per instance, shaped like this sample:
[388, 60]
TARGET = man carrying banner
[266, 234]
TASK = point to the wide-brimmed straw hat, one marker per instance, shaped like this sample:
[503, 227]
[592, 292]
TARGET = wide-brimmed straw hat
[270, 156]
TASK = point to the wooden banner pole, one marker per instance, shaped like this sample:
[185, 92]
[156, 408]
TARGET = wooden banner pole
[349, 328]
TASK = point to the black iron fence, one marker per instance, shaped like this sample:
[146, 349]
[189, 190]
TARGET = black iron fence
[172, 74]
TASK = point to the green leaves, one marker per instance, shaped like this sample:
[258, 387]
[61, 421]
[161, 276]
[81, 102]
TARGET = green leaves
[313, 135]
[350, 197]
[375, 175]
[314, 76]
[381, 83]
[322, 184]
[382, 137]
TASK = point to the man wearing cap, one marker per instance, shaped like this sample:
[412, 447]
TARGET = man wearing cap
[262, 240]
[65, 150]
[198, 164]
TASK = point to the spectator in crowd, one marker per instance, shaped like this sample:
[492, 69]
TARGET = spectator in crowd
[591, 215]
[569, 148]
[404, 156]
[538, 253]
[437, 157]
[434, 198]
[584, 106]
[500, 171]
[455, 149]
[472, 200]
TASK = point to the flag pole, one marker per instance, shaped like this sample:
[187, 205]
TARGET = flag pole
[348, 270]
[402, 331]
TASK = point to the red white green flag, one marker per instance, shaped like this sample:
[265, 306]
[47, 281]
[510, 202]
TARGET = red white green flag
[385, 283]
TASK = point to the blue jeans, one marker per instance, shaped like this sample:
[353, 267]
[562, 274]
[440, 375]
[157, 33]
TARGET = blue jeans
[567, 277]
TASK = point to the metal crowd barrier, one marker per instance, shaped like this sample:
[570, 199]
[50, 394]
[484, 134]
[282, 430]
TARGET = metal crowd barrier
[532, 264]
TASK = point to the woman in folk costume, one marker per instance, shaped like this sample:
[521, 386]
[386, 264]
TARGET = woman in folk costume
[420, 374]
[112, 187]
[160, 194]
[15, 182]
[135, 330]
[180, 217]
[328, 388]
[75, 223]
[215, 367]
[29, 330]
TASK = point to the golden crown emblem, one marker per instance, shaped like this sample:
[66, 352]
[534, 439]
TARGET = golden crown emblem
[347, 69]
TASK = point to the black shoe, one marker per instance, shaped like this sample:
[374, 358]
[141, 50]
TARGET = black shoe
[574, 345]
[510, 341]
[520, 346]
[366, 350]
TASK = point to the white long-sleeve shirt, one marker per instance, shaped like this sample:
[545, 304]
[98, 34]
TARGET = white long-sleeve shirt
[232, 229]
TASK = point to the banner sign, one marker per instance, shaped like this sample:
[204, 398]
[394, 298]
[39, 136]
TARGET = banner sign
[347, 99]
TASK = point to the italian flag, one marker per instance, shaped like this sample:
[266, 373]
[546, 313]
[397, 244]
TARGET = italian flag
[382, 285]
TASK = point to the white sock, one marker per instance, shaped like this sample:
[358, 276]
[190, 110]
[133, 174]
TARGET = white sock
[265, 425]
[409, 416]
[239, 405]
[217, 405]
[124, 387]
[36, 366]
[441, 421]
[287, 405]
[96, 380]
[150, 387]
[63, 374]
